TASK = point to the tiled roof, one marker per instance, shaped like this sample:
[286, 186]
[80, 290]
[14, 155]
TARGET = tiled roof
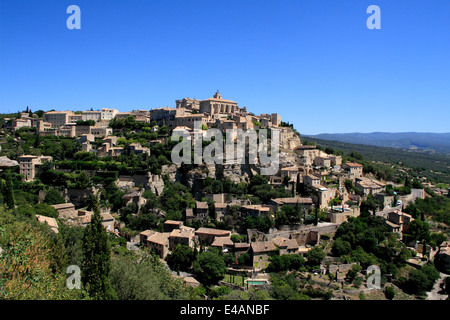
[201, 205]
[50, 221]
[263, 246]
[221, 241]
[295, 200]
[285, 243]
[159, 238]
[215, 232]
[352, 164]
[63, 205]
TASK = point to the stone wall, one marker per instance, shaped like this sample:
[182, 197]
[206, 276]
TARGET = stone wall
[303, 234]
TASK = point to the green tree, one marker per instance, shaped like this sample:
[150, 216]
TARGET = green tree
[143, 277]
[97, 259]
[340, 247]
[44, 209]
[8, 193]
[181, 258]
[209, 267]
[54, 197]
[37, 141]
[389, 293]
[418, 230]
[314, 257]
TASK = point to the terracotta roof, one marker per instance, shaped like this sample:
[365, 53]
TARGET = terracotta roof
[352, 164]
[283, 242]
[63, 205]
[50, 221]
[107, 216]
[183, 232]
[294, 200]
[159, 238]
[88, 216]
[173, 222]
[221, 241]
[191, 281]
[215, 232]
[147, 233]
[189, 212]
[263, 246]
[201, 205]
[241, 245]
[256, 207]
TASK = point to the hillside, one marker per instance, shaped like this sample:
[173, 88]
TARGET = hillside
[414, 141]
[435, 167]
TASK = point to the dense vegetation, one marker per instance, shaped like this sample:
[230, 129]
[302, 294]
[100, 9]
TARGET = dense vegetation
[435, 167]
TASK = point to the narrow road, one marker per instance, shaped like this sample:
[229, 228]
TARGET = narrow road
[434, 294]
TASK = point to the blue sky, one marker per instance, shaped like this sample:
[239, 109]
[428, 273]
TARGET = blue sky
[312, 61]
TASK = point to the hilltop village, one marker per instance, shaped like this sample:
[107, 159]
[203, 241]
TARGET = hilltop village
[324, 215]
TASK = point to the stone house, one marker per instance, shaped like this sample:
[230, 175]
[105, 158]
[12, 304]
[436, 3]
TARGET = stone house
[306, 203]
[255, 211]
[369, 186]
[223, 243]
[240, 248]
[286, 246]
[306, 155]
[65, 210]
[208, 235]
[311, 180]
[144, 235]
[183, 235]
[201, 210]
[340, 214]
[160, 243]
[354, 170]
[221, 210]
[29, 165]
[398, 221]
[291, 173]
[170, 225]
[260, 253]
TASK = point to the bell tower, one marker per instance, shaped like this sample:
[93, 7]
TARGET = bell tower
[218, 95]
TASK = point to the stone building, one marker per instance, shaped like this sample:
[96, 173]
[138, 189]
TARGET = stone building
[65, 210]
[182, 235]
[208, 235]
[218, 105]
[306, 155]
[29, 165]
[286, 246]
[160, 243]
[188, 103]
[260, 253]
[355, 170]
[57, 118]
[91, 115]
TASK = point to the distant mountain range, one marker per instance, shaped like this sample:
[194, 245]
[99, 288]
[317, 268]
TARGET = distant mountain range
[413, 141]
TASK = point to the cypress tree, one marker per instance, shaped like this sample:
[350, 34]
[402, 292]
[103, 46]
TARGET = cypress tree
[316, 217]
[37, 141]
[8, 193]
[97, 259]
